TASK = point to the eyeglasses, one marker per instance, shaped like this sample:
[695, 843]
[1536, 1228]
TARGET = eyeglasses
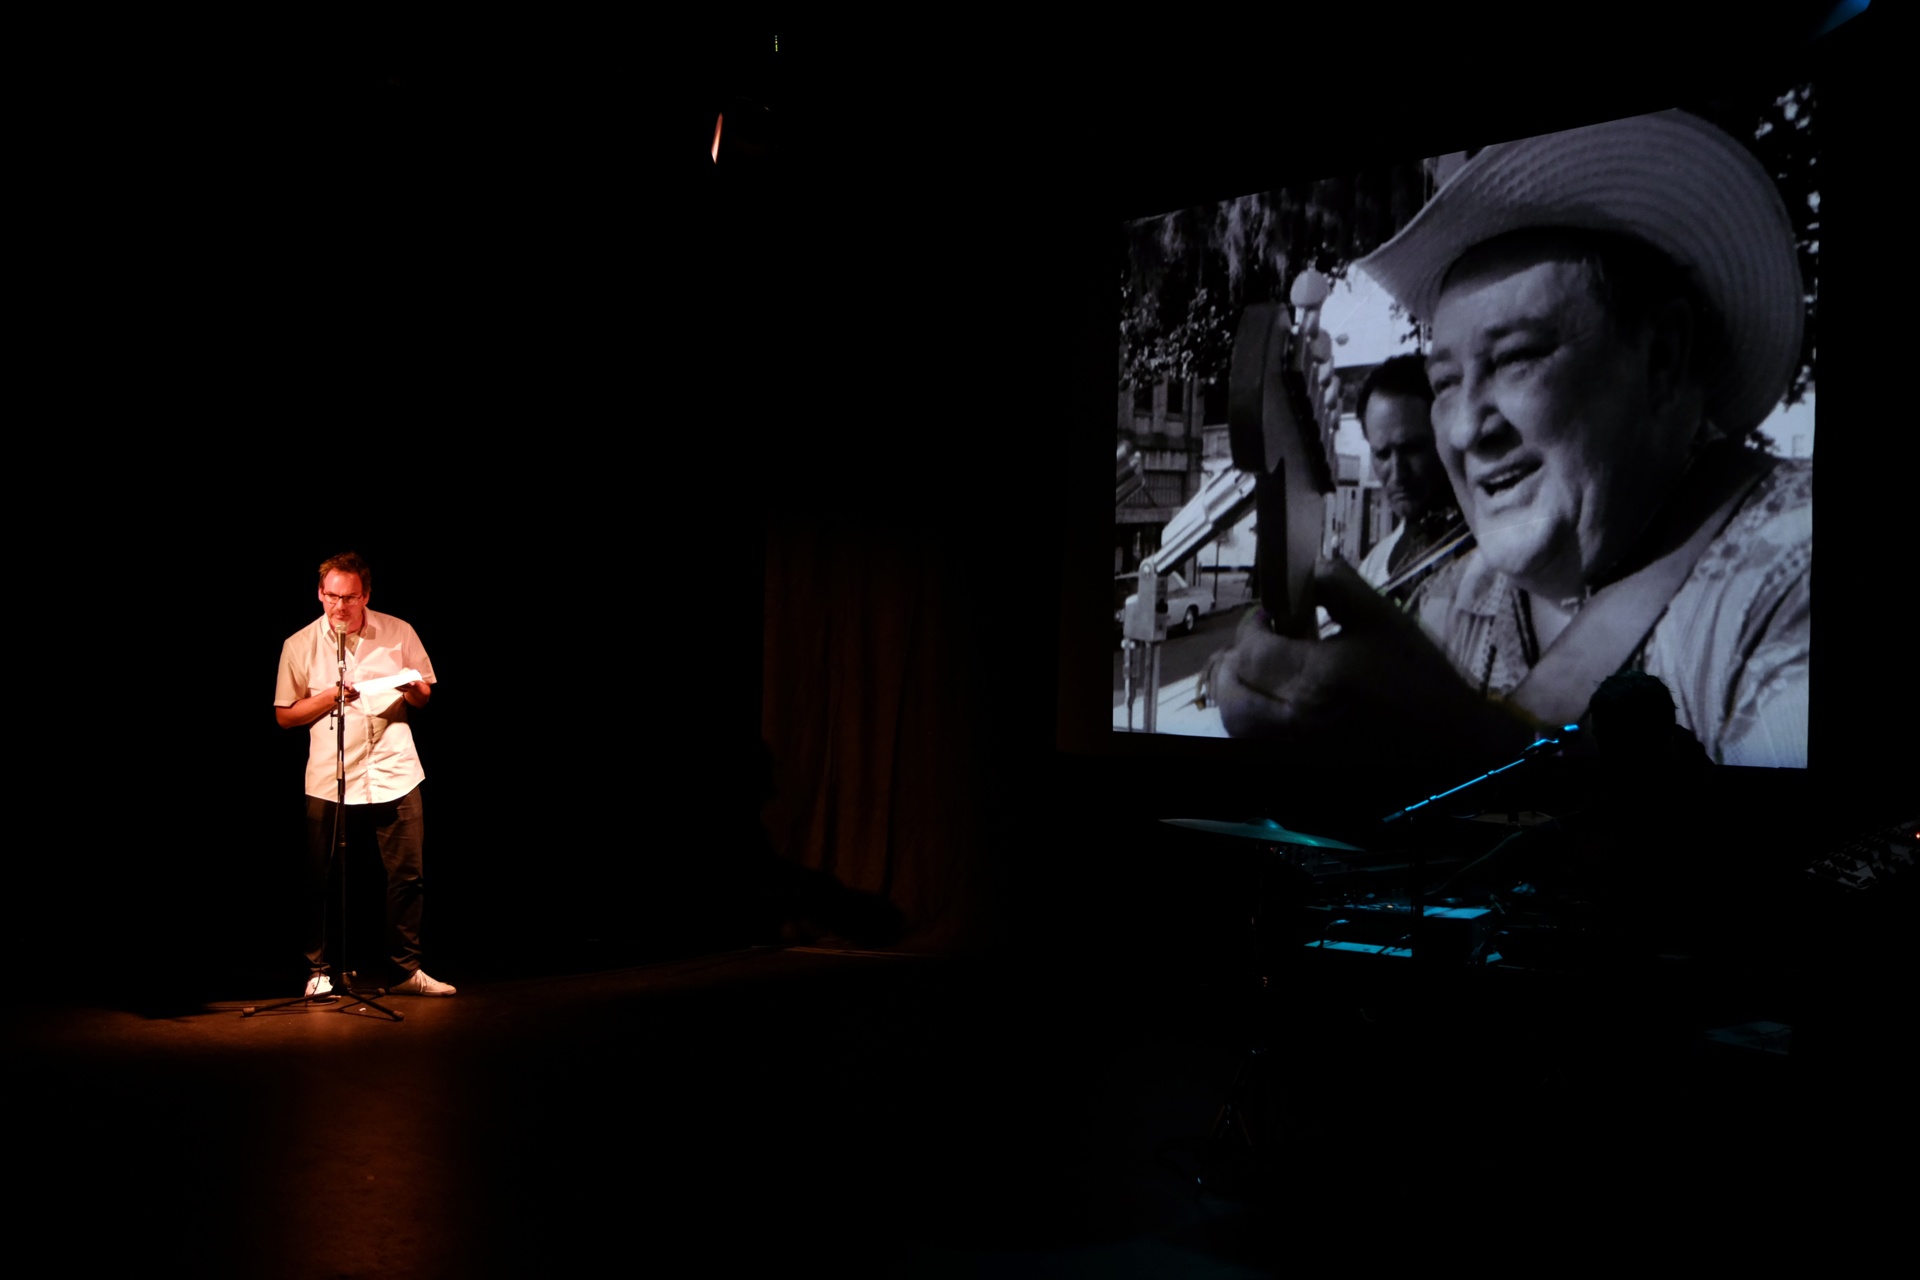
[331, 598]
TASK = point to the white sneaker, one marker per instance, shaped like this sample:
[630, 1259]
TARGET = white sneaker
[319, 985]
[418, 983]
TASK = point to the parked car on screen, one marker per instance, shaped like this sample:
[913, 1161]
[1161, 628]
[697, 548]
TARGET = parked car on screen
[1182, 605]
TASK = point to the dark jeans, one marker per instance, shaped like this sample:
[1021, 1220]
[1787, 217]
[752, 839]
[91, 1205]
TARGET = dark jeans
[398, 828]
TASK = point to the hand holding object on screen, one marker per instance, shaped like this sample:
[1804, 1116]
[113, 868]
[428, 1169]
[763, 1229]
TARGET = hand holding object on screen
[1380, 684]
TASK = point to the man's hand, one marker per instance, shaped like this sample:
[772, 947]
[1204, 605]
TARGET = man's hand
[1380, 686]
[416, 693]
[312, 707]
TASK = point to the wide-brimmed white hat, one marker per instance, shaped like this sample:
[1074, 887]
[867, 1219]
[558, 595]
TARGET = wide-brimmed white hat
[1671, 180]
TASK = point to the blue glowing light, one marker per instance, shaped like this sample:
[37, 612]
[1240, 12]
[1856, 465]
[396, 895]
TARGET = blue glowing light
[1842, 12]
[1364, 948]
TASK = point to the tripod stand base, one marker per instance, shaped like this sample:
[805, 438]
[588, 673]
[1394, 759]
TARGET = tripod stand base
[1235, 1158]
[345, 991]
[1224, 1166]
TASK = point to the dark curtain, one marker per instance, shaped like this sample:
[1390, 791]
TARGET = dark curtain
[867, 709]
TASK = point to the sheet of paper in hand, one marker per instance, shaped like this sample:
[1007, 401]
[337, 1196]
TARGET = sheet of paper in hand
[383, 683]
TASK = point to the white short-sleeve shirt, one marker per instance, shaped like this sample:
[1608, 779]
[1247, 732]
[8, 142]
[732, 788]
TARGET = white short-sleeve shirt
[382, 764]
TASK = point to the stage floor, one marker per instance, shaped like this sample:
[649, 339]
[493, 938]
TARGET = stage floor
[820, 1110]
[811, 1109]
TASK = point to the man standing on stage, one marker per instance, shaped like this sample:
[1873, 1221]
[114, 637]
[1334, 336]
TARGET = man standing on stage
[383, 773]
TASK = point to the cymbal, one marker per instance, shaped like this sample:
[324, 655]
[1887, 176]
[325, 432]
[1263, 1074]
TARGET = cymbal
[1262, 829]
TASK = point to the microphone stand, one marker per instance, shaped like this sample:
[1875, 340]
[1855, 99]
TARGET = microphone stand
[1416, 895]
[339, 847]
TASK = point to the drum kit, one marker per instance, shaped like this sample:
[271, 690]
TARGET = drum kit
[1340, 900]
[1349, 873]
[1379, 963]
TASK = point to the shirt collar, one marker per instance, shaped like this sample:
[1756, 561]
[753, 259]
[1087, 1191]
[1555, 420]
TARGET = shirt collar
[367, 628]
[1483, 590]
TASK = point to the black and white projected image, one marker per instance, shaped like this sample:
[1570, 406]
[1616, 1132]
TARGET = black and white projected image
[1564, 387]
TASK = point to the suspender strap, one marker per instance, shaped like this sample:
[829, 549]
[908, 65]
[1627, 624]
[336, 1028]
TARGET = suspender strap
[1613, 624]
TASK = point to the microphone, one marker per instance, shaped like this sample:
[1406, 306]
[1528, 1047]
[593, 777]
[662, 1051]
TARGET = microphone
[1546, 743]
[340, 647]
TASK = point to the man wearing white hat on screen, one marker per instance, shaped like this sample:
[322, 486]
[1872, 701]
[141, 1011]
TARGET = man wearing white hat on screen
[1613, 311]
